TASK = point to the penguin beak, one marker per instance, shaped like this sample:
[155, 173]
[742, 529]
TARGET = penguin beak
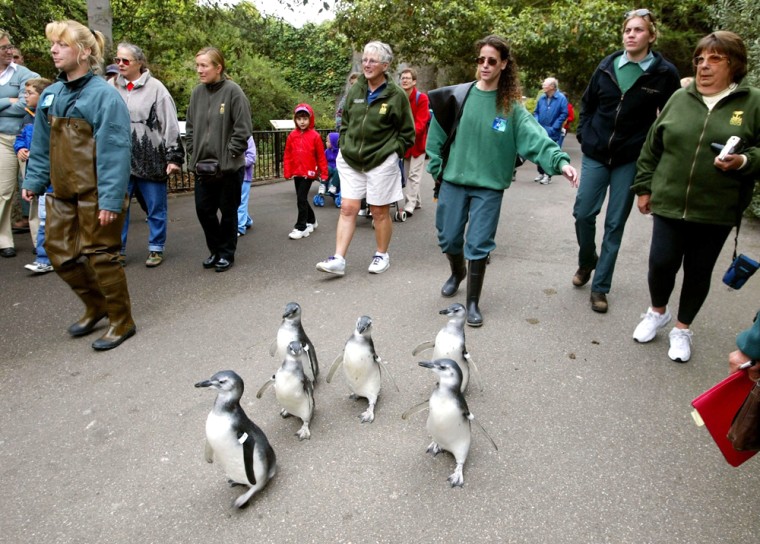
[426, 364]
[204, 383]
[444, 312]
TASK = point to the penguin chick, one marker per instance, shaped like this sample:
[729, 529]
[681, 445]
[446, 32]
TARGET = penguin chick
[235, 441]
[450, 344]
[294, 390]
[448, 419]
[291, 330]
[362, 367]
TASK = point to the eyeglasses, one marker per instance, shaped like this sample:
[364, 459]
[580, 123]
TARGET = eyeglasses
[490, 60]
[125, 62]
[371, 62]
[712, 60]
[638, 13]
[7, 47]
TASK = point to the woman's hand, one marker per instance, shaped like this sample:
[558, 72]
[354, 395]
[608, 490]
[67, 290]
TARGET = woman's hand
[731, 162]
[643, 204]
[738, 358]
[571, 174]
[106, 217]
[27, 195]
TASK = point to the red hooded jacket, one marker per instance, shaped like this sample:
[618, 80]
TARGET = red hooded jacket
[304, 151]
[421, 113]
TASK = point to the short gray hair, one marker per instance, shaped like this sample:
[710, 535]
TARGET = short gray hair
[137, 53]
[383, 50]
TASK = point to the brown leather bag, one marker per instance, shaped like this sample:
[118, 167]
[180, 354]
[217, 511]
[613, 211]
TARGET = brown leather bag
[744, 433]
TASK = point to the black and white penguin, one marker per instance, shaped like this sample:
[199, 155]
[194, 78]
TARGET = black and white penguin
[291, 330]
[449, 417]
[362, 367]
[293, 389]
[450, 344]
[234, 441]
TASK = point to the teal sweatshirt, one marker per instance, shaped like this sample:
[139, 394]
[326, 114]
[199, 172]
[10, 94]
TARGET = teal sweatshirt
[486, 145]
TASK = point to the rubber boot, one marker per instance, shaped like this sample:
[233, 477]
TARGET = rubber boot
[458, 274]
[113, 285]
[474, 287]
[82, 281]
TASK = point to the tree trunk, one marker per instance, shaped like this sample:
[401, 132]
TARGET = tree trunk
[100, 17]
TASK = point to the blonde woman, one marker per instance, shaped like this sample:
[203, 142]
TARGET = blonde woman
[82, 145]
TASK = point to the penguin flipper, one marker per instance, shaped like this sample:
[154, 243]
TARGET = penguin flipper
[311, 352]
[385, 371]
[483, 429]
[423, 346]
[417, 408]
[247, 440]
[264, 387]
[336, 363]
[474, 367]
[273, 347]
[208, 452]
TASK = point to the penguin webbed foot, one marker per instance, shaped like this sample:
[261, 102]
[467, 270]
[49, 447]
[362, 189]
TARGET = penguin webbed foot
[304, 433]
[233, 483]
[368, 416]
[434, 449]
[284, 413]
[242, 501]
[457, 479]
[353, 396]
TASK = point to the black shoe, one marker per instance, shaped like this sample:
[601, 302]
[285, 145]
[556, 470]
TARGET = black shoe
[582, 275]
[85, 325]
[599, 302]
[110, 340]
[222, 265]
[7, 252]
[211, 261]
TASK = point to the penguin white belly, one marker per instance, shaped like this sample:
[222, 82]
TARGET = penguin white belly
[448, 345]
[448, 427]
[288, 389]
[361, 371]
[285, 335]
[227, 450]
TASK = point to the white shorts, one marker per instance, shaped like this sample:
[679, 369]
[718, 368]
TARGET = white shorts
[380, 186]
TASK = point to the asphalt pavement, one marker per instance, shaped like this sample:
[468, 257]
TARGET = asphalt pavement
[595, 438]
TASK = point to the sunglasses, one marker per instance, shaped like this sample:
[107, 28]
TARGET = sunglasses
[125, 62]
[490, 60]
[639, 13]
[712, 60]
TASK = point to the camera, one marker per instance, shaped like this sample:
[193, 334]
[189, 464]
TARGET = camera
[732, 145]
[740, 271]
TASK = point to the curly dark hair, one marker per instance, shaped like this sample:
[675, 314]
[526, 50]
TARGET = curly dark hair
[509, 89]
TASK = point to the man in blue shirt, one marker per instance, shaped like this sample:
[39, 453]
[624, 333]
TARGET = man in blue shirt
[551, 112]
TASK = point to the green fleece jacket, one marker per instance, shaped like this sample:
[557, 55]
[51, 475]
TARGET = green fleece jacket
[486, 144]
[676, 163]
[369, 133]
[218, 125]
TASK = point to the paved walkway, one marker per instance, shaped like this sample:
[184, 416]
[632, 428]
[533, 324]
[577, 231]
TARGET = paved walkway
[596, 441]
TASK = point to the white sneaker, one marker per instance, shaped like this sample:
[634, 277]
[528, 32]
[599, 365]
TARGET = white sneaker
[650, 324]
[538, 177]
[39, 268]
[296, 234]
[680, 345]
[545, 179]
[311, 227]
[321, 189]
[379, 264]
[363, 212]
[333, 265]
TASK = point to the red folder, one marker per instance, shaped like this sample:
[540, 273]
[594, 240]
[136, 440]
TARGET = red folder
[717, 408]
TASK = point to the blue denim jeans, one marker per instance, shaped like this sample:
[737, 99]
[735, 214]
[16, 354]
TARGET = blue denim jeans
[154, 193]
[596, 179]
[41, 253]
[244, 220]
[459, 205]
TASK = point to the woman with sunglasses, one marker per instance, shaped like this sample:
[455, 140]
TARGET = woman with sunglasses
[621, 102]
[695, 194]
[81, 145]
[157, 150]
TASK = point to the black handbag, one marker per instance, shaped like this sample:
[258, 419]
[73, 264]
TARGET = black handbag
[208, 168]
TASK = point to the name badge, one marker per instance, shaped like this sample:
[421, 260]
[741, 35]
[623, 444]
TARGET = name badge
[499, 124]
[48, 101]
[358, 101]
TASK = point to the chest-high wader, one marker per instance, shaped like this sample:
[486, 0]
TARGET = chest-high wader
[73, 231]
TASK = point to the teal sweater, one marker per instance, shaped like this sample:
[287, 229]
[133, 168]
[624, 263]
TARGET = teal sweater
[484, 151]
[676, 163]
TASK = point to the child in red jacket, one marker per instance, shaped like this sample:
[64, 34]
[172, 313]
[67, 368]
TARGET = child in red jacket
[304, 162]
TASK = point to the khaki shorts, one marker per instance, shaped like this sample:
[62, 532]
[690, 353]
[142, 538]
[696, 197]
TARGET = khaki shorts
[380, 186]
